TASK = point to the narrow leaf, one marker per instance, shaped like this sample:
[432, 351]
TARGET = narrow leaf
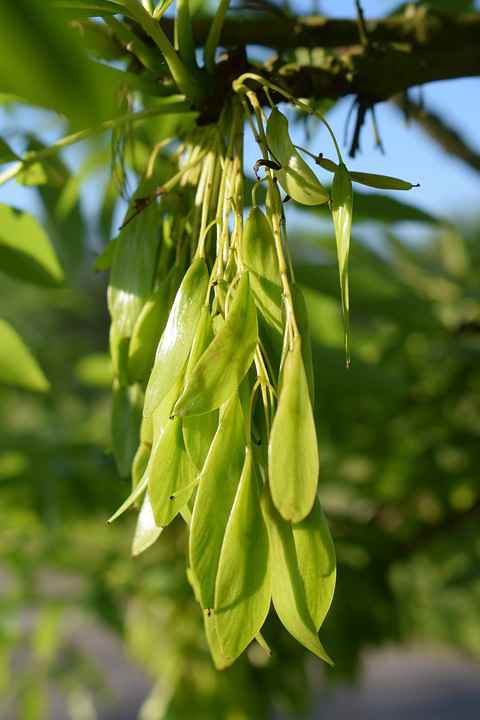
[259, 246]
[169, 473]
[218, 484]
[316, 562]
[288, 588]
[177, 338]
[26, 252]
[147, 332]
[199, 430]
[17, 364]
[131, 499]
[43, 62]
[342, 204]
[242, 593]
[133, 268]
[224, 363]
[295, 176]
[292, 451]
[219, 658]
[126, 418]
[146, 531]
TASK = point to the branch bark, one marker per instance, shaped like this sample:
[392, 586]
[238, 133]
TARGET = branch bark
[416, 47]
[418, 27]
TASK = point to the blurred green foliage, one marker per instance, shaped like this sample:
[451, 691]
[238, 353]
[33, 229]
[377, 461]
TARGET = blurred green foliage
[399, 448]
[399, 443]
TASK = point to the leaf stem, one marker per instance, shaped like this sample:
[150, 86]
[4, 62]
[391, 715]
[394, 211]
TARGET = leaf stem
[187, 81]
[214, 36]
[239, 84]
[276, 218]
[184, 41]
[167, 109]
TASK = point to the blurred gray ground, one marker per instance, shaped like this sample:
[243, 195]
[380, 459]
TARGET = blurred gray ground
[413, 684]
[396, 684]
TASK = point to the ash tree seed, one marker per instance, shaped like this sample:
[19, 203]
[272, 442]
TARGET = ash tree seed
[226, 360]
[295, 176]
[293, 463]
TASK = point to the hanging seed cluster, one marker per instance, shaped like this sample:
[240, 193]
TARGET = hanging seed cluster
[213, 412]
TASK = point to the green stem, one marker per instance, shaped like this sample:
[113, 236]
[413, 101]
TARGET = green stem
[184, 41]
[276, 218]
[56, 147]
[147, 57]
[214, 36]
[239, 85]
[161, 9]
[185, 79]
[204, 224]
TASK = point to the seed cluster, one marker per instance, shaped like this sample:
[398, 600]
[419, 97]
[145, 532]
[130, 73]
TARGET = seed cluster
[213, 409]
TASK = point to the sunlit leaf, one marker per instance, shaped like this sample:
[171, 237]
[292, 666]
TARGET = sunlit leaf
[17, 364]
[25, 250]
[242, 592]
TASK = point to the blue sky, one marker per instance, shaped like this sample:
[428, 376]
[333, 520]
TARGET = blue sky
[448, 187]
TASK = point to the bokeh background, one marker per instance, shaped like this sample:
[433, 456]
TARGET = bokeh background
[87, 632]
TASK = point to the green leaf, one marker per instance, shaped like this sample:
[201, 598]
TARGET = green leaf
[269, 303]
[134, 267]
[224, 363]
[295, 176]
[176, 341]
[126, 419]
[170, 474]
[17, 364]
[66, 227]
[220, 660]
[316, 562]
[199, 430]
[147, 332]
[288, 585]
[146, 531]
[342, 205]
[104, 261]
[6, 153]
[292, 451]
[43, 62]
[381, 182]
[243, 586]
[303, 323]
[142, 456]
[259, 246]
[25, 250]
[218, 483]
[131, 499]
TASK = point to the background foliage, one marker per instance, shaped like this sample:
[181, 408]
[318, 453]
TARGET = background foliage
[399, 439]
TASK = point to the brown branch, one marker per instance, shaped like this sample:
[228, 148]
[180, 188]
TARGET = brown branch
[378, 74]
[447, 137]
[413, 48]
[417, 27]
[417, 47]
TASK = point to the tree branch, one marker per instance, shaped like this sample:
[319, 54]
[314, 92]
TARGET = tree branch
[417, 26]
[447, 137]
[417, 47]
[377, 74]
